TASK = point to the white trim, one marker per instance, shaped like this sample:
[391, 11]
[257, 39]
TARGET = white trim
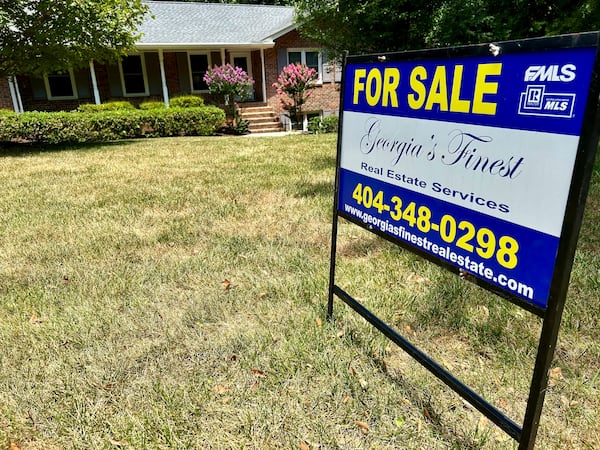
[94, 83]
[209, 64]
[303, 51]
[13, 95]
[144, 76]
[61, 97]
[204, 46]
[263, 71]
[163, 77]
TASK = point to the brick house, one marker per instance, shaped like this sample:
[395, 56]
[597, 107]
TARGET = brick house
[180, 41]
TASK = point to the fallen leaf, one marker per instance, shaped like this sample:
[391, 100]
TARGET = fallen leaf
[427, 414]
[220, 389]
[346, 399]
[319, 322]
[352, 371]
[14, 446]
[409, 330]
[364, 426]
[555, 375]
[483, 421]
[226, 284]
[118, 443]
[363, 383]
[258, 373]
[34, 319]
[303, 445]
[262, 295]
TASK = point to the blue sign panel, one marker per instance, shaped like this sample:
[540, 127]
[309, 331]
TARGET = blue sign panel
[467, 159]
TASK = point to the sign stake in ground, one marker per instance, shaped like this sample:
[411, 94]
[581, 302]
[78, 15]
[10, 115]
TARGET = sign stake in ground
[477, 159]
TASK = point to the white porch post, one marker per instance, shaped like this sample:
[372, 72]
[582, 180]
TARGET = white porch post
[223, 62]
[163, 77]
[94, 83]
[263, 72]
[14, 90]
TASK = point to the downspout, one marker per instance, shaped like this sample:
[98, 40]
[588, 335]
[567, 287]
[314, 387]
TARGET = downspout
[94, 83]
[263, 72]
[163, 77]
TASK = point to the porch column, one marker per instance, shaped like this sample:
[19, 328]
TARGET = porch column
[15, 94]
[163, 77]
[94, 83]
[263, 72]
[223, 62]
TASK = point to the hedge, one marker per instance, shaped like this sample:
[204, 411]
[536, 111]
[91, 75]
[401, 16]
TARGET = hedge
[74, 127]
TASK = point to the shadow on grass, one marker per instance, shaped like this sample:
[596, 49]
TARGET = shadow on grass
[420, 397]
[309, 190]
[324, 162]
[15, 149]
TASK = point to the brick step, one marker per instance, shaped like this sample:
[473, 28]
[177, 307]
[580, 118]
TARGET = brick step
[261, 118]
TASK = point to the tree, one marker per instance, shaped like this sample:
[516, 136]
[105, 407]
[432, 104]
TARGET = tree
[234, 84]
[294, 85]
[473, 21]
[40, 36]
[377, 26]
[365, 26]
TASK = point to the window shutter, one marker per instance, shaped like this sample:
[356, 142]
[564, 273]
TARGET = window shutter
[281, 59]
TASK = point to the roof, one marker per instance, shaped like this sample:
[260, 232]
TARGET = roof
[176, 24]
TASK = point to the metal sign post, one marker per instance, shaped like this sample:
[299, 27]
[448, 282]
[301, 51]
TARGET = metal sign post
[478, 159]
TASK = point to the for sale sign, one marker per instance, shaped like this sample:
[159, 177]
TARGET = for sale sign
[467, 159]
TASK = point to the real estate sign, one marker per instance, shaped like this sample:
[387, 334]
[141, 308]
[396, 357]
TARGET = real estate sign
[467, 159]
[477, 158]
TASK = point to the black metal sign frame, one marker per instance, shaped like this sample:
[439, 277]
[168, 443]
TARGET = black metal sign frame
[525, 434]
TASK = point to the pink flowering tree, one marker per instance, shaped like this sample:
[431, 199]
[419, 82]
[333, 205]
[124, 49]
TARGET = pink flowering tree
[294, 86]
[231, 82]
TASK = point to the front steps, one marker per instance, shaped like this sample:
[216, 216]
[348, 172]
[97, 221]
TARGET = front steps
[261, 118]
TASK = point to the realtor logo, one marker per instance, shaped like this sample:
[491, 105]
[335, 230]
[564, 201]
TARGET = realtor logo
[535, 101]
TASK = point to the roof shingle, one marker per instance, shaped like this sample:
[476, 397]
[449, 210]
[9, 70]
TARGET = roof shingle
[193, 23]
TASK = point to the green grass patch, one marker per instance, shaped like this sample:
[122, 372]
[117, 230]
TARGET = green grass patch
[171, 293]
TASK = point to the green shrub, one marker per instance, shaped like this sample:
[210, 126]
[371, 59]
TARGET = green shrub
[152, 105]
[103, 126]
[186, 101]
[327, 124]
[6, 112]
[120, 105]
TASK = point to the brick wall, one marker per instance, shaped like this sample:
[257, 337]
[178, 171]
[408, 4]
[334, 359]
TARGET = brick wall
[5, 98]
[325, 97]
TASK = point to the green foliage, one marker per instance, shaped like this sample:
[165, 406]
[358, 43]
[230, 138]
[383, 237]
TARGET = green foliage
[103, 126]
[120, 105]
[375, 26]
[187, 101]
[40, 36]
[152, 105]
[6, 112]
[328, 124]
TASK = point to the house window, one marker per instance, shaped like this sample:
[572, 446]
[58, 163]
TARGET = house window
[310, 58]
[133, 76]
[199, 64]
[60, 85]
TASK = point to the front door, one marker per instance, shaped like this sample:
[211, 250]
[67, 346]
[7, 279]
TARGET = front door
[243, 60]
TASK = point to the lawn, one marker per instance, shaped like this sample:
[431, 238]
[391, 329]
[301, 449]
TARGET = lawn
[171, 293]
